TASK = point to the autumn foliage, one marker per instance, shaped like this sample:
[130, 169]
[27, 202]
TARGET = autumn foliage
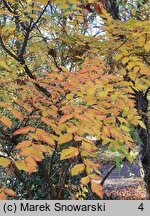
[50, 113]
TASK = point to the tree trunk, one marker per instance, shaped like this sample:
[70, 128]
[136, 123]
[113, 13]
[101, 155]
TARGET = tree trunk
[142, 107]
[112, 7]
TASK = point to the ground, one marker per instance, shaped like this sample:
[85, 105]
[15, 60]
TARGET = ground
[126, 184]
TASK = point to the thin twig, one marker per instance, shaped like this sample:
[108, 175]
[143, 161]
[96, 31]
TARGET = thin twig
[110, 54]
[34, 24]
[108, 173]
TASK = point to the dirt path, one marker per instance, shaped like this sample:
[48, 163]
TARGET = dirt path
[126, 184]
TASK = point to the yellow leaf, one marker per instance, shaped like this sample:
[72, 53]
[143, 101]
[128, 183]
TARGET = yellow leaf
[123, 71]
[63, 6]
[131, 65]
[88, 147]
[132, 75]
[6, 121]
[142, 124]
[122, 120]
[13, 1]
[72, 129]
[125, 60]
[118, 57]
[74, 1]
[39, 147]
[69, 153]
[77, 169]
[147, 46]
[49, 150]
[21, 165]
[125, 128]
[42, 1]
[23, 144]
[65, 138]
[4, 65]
[85, 180]
[4, 162]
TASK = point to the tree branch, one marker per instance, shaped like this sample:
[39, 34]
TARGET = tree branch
[8, 51]
[108, 174]
[15, 14]
[34, 24]
[147, 91]
[110, 54]
[24, 43]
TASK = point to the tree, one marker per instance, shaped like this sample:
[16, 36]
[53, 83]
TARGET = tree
[63, 92]
[141, 52]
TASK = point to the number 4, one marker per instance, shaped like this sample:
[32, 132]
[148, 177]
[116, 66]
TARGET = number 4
[141, 207]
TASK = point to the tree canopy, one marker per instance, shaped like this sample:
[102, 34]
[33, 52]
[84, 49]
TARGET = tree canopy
[68, 70]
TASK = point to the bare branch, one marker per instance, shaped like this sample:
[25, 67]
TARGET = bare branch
[108, 174]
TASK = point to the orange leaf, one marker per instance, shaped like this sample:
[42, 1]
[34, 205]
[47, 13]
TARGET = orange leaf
[17, 114]
[23, 130]
[91, 164]
[47, 121]
[31, 164]
[98, 7]
[45, 137]
[77, 169]
[94, 177]
[6, 121]
[27, 108]
[4, 105]
[9, 192]
[97, 189]
[2, 196]
[6, 13]
[69, 153]
[36, 158]
[64, 118]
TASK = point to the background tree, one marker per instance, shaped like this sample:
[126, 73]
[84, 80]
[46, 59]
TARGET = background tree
[54, 91]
